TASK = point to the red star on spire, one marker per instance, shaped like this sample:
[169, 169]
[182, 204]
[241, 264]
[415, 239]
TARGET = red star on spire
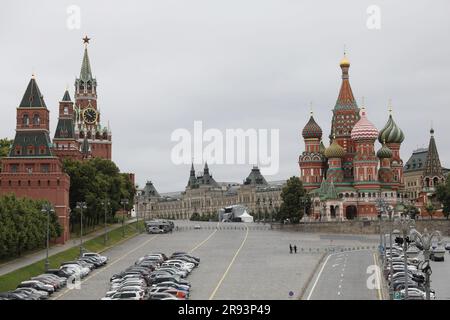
[86, 40]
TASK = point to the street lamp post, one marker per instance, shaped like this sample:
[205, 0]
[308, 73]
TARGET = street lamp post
[47, 208]
[425, 240]
[123, 202]
[106, 203]
[405, 224]
[137, 213]
[391, 272]
[81, 205]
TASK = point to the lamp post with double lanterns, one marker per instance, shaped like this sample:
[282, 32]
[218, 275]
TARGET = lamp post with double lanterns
[123, 202]
[47, 208]
[405, 224]
[425, 239]
[80, 206]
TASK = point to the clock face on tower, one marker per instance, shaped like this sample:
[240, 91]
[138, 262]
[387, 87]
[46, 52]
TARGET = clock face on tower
[90, 115]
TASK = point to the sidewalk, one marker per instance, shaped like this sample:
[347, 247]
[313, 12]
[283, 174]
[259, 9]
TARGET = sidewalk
[39, 255]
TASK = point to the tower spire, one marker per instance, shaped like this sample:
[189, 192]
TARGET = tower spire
[345, 99]
[86, 73]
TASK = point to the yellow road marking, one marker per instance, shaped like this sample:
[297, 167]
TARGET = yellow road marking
[378, 276]
[106, 267]
[229, 267]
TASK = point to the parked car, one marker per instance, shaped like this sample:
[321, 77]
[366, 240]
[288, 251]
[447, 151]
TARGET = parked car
[126, 295]
[104, 259]
[37, 285]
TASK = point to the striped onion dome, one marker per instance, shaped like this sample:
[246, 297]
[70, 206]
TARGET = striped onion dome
[312, 129]
[364, 129]
[334, 151]
[391, 133]
[384, 152]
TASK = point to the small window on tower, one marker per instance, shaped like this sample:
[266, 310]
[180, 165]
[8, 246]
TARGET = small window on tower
[66, 110]
[36, 120]
[25, 120]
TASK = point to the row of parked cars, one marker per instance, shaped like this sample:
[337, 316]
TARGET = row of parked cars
[415, 275]
[154, 277]
[44, 285]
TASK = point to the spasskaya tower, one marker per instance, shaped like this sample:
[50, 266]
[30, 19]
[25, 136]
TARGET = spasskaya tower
[94, 139]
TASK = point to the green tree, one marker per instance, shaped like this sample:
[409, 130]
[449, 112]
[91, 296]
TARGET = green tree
[412, 210]
[5, 145]
[443, 196]
[93, 181]
[430, 209]
[292, 207]
[23, 226]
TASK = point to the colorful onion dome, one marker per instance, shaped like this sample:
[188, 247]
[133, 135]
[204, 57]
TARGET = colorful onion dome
[334, 151]
[364, 129]
[312, 129]
[384, 152]
[322, 147]
[391, 133]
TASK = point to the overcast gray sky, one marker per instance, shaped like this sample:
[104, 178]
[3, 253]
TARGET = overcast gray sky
[161, 65]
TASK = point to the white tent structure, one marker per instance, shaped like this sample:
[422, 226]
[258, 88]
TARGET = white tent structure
[245, 217]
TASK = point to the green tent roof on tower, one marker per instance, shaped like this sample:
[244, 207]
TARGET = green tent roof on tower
[32, 97]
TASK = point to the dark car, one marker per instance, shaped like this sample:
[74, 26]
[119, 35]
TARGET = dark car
[176, 279]
[93, 260]
[175, 254]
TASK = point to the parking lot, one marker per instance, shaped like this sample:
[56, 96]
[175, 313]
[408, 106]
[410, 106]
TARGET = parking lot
[236, 262]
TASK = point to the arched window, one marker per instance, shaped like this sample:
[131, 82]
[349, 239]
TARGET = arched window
[25, 120]
[36, 120]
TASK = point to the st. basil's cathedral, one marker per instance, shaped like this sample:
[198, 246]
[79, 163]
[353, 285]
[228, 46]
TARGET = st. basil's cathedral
[345, 180]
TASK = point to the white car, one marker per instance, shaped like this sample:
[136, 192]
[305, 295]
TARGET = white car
[417, 292]
[137, 289]
[125, 295]
[84, 271]
[179, 264]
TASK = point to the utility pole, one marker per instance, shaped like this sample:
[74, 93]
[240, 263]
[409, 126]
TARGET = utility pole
[81, 205]
[106, 203]
[123, 202]
[47, 208]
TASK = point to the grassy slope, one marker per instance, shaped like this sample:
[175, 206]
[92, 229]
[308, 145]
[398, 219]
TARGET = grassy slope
[10, 280]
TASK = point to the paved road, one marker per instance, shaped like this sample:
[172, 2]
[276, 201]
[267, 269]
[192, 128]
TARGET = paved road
[343, 276]
[236, 262]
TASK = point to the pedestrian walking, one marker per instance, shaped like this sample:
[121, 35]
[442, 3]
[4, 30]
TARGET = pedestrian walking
[295, 249]
[290, 248]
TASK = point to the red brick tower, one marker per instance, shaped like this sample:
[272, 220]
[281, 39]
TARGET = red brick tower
[87, 114]
[65, 144]
[345, 116]
[312, 161]
[31, 169]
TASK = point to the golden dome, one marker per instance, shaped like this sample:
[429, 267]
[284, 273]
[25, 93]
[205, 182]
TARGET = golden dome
[345, 62]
